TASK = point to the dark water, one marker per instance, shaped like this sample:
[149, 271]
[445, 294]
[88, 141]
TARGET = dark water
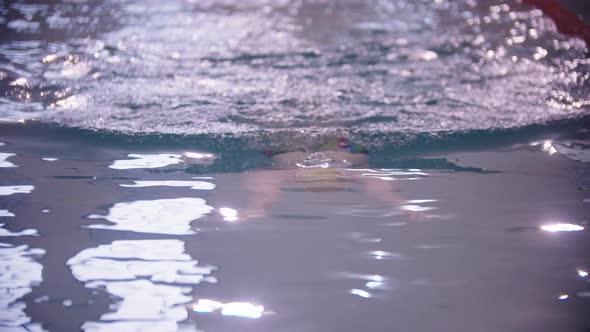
[137, 192]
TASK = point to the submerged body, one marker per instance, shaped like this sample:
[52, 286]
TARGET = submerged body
[336, 166]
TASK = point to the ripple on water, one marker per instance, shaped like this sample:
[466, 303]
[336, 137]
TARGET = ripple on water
[19, 271]
[151, 279]
[577, 152]
[374, 285]
[384, 255]
[160, 216]
[361, 237]
[392, 174]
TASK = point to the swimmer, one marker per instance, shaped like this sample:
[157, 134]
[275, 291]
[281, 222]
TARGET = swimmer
[334, 153]
[328, 167]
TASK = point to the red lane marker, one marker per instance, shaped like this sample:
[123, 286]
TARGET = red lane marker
[567, 22]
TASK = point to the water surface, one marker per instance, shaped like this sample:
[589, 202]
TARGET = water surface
[137, 191]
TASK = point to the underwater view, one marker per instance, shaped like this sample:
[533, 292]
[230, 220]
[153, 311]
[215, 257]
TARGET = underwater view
[306, 165]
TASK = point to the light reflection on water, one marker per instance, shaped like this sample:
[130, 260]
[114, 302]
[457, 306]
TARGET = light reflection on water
[155, 285]
[10, 190]
[201, 185]
[160, 216]
[392, 174]
[235, 309]
[384, 255]
[19, 271]
[7, 191]
[229, 214]
[374, 286]
[139, 161]
[573, 150]
[152, 279]
[362, 237]
[24, 232]
[6, 213]
[361, 293]
[562, 227]
[4, 160]
[146, 161]
[416, 208]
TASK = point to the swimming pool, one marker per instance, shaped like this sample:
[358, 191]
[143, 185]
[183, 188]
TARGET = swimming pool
[292, 166]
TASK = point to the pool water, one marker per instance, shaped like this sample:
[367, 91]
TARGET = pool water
[111, 239]
[382, 165]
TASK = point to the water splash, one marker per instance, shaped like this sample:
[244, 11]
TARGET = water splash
[237, 69]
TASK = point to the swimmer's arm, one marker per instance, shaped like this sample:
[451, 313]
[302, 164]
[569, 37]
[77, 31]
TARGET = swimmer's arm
[385, 191]
[381, 190]
[263, 188]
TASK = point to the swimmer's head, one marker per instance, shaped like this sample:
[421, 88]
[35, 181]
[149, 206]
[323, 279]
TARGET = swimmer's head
[341, 143]
[332, 143]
